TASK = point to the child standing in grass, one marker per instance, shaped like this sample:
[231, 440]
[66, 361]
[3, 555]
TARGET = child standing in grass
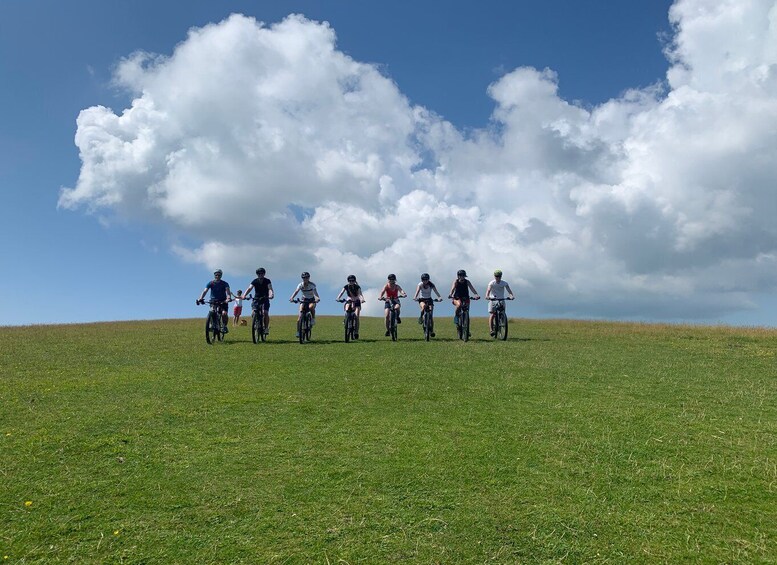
[238, 307]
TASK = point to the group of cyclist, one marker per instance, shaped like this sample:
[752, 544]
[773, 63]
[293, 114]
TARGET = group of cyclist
[351, 294]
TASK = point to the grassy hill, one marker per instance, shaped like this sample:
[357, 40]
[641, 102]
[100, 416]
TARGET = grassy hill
[572, 442]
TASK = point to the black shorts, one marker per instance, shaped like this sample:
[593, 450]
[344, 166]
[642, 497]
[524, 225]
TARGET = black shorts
[262, 303]
[390, 303]
[427, 301]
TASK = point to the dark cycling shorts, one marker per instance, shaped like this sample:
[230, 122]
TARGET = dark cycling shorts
[263, 303]
[354, 303]
[429, 301]
[222, 307]
[464, 300]
[390, 302]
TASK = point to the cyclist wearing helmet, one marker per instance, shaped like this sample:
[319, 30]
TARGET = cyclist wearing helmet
[496, 289]
[219, 291]
[391, 293]
[460, 292]
[263, 293]
[353, 292]
[309, 295]
[424, 291]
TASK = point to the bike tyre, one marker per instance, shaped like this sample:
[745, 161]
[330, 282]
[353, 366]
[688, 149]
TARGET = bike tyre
[301, 330]
[465, 326]
[503, 326]
[255, 328]
[308, 326]
[348, 329]
[427, 326]
[210, 328]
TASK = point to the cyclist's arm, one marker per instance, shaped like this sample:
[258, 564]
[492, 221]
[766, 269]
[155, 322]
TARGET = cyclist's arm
[509, 291]
[472, 288]
[401, 292]
[437, 292]
[488, 292]
[417, 290]
[296, 292]
[339, 296]
[249, 289]
[315, 293]
[204, 292]
[270, 292]
[453, 288]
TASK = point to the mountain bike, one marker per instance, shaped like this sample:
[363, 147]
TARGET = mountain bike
[499, 325]
[427, 316]
[393, 316]
[462, 327]
[349, 322]
[258, 329]
[214, 323]
[305, 321]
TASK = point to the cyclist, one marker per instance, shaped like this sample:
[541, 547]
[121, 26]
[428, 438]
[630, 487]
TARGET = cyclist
[220, 292]
[309, 295]
[424, 289]
[390, 294]
[496, 289]
[263, 292]
[460, 292]
[354, 292]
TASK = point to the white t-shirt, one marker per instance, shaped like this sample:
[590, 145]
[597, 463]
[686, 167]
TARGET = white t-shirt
[497, 288]
[424, 292]
[308, 292]
[238, 302]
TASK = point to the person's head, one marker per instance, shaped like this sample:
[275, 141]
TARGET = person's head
[239, 292]
[461, 273]
[260, 272]
[425, 278]
[351, 279]
[305, 276]
[392, 278]
[218, 273]
[498, 274]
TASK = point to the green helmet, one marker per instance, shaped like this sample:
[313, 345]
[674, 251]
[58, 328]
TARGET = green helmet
[498, 273]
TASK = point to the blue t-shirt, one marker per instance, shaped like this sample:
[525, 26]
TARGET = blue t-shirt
[218, 289]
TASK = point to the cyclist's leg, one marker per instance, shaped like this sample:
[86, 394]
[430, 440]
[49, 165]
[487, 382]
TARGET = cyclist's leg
[358, 311]
[397, 307]
[312, 308]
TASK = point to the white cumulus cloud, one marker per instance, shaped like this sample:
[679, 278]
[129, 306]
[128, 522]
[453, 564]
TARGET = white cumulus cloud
[269, 146]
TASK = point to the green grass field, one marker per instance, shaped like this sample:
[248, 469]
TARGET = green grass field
[573, 442]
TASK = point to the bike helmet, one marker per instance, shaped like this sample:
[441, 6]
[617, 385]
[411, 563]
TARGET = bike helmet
[461, 273]
[498, 273]
[305, 275]
[351, 278]
[218, 272]
[425, 277]
[392, 277]
[260, 271]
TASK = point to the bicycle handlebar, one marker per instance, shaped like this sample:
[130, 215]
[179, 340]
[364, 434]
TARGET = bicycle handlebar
[498, 299]
[300, 301]
[423, 299]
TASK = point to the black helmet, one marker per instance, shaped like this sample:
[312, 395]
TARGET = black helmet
[218, 272]
[461, 273]
[425, 277]
[260, 271]
[305, 275]
[351, 278]
[392, 277]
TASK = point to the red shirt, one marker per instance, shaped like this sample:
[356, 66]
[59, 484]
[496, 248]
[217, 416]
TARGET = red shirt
[391, 292]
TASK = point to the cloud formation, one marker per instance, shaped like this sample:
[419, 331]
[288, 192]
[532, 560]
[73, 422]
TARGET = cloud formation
[268, 145]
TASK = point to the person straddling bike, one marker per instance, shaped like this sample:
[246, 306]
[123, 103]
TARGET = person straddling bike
[496, 289]
[219, 292]
[460, 293]
[423, 293]
[263, 292]
[353, 293]
[390, 294]
[309, 295]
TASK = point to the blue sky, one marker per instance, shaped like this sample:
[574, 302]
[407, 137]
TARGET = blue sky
[85, 260]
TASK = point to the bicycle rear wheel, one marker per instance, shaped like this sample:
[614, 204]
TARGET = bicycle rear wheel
[211, 328]
[502, 334]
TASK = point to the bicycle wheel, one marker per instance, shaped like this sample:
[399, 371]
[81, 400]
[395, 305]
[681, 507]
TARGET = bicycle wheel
[502, 334]
[465, 326]
[211, 328]
[348, 328]
[262, 330]
[255, 327]
[427, 325]
[308, 326]
[301, 330]
[393, 327]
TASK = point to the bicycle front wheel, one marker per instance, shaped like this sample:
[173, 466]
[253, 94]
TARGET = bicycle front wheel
[502, 333]
[427, 326]
[255, 328]
[211, 328]
[464, 332]
[308, 326]
[393, 326]
[348, 328]
[301, 330]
